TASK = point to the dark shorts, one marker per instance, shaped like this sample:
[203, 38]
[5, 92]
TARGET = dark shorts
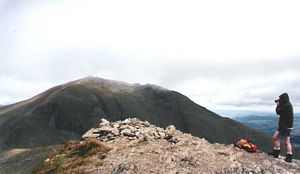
[284, 132]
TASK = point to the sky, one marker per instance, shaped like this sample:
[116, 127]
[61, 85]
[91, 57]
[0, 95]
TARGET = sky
[224, 55]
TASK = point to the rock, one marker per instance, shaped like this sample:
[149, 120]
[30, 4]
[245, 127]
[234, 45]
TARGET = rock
[173, 140]
[137, 134]
[232, 158]
[148, 137]
[135, 131]
[184, 171]
[266, 164]
[127, 132]
[126, 121]
[132, 138]
[146, 123]
[170, 161]
[116, 125]
[124, 126]
[139, 147]
[121, 168]
[115, 132]
[90, 134]
[171, 128]
[153, 134]
[104, 122]
[189, 160]
[105, 131]
[162, 135]
[168, 137]
[236, 167]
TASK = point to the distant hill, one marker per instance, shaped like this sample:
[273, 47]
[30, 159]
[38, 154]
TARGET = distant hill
[66, 111]
[268, 124]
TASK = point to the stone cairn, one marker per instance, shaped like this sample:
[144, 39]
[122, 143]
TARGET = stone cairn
[130, 129]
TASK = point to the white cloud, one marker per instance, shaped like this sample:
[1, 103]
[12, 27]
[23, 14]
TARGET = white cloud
[14, 90]
[216, 52]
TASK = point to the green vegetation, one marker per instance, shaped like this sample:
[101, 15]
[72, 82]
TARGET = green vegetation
[75, 157]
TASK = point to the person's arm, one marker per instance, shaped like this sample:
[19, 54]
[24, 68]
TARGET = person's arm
[278, 108]
[290, 118]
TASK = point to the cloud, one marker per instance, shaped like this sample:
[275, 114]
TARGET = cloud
[217, 53]
[190, 69]
[15, 89]
[239, 84]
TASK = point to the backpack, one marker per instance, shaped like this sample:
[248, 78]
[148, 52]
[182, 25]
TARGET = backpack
[246, 145]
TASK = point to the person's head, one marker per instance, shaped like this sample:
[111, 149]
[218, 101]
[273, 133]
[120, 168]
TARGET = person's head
[284, 98]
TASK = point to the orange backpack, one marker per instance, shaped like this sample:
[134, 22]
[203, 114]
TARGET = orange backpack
[246, 145]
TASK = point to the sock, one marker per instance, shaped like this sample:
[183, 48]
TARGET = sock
[290, 153]
[276, 148]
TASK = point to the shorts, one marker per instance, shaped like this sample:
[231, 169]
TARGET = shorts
[284, 132]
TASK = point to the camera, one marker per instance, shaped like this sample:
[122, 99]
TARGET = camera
[276, 100]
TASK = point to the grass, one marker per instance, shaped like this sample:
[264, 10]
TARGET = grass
[76, 157]
[23, 161]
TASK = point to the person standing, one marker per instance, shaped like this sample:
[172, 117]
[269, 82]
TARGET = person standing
[284, 109]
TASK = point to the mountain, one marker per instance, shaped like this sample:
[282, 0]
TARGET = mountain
[66, 111]
[265, 124]
[135, 146]
[268, 124]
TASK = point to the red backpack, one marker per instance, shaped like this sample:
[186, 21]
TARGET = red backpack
[246, 145]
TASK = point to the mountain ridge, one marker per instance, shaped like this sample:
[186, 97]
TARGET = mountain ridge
[135, 146]
[68, 110]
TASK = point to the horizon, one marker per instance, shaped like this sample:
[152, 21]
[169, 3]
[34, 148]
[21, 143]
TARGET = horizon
[226, 111]
[229, 55]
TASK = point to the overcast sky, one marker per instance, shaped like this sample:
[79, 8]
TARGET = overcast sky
[221, 54]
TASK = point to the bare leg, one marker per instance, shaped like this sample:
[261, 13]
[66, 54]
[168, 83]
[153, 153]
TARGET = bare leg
[276, 140]
[288, 145]
[276, 150]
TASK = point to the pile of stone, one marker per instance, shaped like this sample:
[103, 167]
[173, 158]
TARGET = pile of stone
[139, 147]
[130, 129]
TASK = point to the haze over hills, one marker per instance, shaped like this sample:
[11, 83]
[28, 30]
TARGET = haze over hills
[268, 124]
[66, 111]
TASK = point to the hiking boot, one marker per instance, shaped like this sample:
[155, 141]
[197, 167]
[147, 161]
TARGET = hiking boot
[288, 158]
[274, 153]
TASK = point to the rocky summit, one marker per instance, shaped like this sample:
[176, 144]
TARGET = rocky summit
[135, 146]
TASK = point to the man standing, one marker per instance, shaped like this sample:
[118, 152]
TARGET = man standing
[285, 125]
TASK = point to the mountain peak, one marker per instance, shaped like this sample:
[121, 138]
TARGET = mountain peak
[96, 79]
[66, 111]
[113, 85]
[137, 146]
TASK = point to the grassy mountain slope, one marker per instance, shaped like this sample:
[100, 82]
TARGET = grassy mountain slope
[67, 111]
[23, 161]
